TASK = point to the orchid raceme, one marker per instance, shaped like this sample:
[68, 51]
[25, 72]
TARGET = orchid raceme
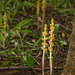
[51, 37]
[43, 11]
[44, 44]
[44, 38]
[5, 26]
[38, 11]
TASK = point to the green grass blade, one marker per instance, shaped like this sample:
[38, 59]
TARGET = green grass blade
[22, 23]
[1, 38]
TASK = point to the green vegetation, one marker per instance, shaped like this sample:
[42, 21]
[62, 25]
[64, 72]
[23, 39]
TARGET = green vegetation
[7, 64]
[21, 37]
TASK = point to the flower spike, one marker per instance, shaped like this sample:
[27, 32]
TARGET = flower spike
[51, 37]
[44, 44]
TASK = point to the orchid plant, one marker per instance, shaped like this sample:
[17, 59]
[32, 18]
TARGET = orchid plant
[50, 46]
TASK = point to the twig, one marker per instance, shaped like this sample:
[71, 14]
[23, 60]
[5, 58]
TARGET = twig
[65, 27]
[31, 68]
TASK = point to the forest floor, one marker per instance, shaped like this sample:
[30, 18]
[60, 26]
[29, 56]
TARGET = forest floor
[59, 53]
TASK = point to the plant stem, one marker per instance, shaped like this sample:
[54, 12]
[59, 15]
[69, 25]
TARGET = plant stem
[43, 62]
[50, 63]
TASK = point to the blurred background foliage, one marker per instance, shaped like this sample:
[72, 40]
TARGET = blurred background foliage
[14, 8]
